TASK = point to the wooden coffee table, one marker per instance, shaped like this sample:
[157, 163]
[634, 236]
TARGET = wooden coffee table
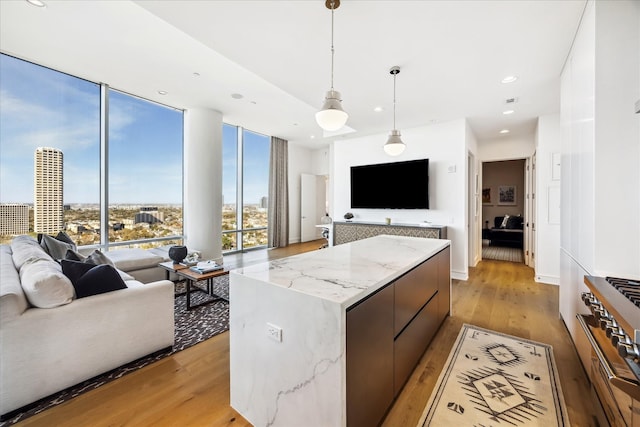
[192, 277]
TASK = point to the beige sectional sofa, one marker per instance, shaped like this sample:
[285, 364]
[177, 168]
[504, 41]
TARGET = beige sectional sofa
[51, 340]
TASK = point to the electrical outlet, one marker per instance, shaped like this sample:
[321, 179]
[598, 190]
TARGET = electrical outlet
[274, 332]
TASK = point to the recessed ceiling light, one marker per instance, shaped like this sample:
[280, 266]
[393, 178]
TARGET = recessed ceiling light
[37, 3]
[237, 96]
[509, 79]
[504, 131]
[378, 109]
[162, 92]
[254, 102]
[312, 137]
[507, 112]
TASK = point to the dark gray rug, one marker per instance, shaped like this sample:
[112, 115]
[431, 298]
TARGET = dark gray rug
[500, 253]
[191, 327]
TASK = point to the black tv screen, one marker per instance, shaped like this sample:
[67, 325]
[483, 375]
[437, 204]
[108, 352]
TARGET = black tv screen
[399, 185]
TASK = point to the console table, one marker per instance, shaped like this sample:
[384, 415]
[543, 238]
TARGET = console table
[345, 232]
[329, 337]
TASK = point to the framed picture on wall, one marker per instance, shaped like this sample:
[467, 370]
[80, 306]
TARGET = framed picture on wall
[486, 196]
[507, 195]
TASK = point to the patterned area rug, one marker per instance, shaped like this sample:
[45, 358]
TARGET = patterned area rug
[500, 253]
[191, 327]
[495, 379]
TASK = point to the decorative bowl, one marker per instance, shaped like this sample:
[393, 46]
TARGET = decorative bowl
[177, 253]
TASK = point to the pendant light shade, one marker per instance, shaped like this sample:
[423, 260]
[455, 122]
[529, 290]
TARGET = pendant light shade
[332, 117]
[394, 145]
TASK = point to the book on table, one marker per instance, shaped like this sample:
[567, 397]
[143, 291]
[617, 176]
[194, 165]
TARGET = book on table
[206, 267]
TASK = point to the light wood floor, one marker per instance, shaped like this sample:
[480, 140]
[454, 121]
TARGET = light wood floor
[191, 387]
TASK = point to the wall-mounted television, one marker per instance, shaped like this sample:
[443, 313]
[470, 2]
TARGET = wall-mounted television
[399, 185]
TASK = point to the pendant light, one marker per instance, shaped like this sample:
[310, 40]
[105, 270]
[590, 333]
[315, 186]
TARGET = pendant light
[332, 117]
[394, 145]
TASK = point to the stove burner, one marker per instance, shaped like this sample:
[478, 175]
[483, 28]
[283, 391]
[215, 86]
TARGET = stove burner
[629, 288]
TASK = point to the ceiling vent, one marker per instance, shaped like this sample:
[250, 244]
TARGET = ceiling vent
[511, 100]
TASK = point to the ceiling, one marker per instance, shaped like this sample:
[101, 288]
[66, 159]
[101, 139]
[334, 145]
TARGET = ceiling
[276, 54]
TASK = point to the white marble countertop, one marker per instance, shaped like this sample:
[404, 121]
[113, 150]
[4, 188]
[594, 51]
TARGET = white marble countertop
[345, 274]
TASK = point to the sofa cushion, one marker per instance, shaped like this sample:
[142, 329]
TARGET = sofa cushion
[514, 223]
[89, 279]
[44, 283]
[13, 302]
[133, 259]
[24, 248]
[56, 248]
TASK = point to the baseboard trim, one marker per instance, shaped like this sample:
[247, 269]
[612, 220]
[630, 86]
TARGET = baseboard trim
[460, 275]
[549, 280]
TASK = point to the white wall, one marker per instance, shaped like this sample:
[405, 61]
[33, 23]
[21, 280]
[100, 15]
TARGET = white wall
[506, 148]
[547, 245]
[300, 161]
[444, 145]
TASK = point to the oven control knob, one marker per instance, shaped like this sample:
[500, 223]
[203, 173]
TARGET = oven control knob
[628, 350]
[606, 323]
[613, 327]
[617, 337]
[600, 313]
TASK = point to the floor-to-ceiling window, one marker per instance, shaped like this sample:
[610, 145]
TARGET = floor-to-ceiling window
[145, 171]
[50, 160]
[49, 144]
[245, 189]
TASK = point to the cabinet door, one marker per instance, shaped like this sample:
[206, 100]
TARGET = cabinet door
[444, 282]
[412, 291]
[370, 359]
[414, 340]
[343, 233]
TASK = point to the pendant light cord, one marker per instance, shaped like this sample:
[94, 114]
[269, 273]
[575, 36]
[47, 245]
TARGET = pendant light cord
[394, 101]
[332, 49]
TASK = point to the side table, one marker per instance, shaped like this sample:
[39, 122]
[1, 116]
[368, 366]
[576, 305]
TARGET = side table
[171, 267]
[192, 277]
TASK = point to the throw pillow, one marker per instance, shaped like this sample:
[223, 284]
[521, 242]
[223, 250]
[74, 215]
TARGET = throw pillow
[44, 284]
[74, 270]
[505, 220]
[96, 257]
[64, 237]
[88, 279]
[54, 247]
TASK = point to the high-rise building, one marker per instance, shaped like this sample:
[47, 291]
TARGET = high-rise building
[47, 207]
[264, 202]
[14, 219]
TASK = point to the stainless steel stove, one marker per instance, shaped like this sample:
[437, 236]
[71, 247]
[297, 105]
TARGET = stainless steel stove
[613, 331]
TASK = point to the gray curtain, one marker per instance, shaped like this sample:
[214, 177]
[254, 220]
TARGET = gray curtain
[278, 193]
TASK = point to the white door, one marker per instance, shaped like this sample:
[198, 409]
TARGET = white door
[308, 207]
[530, 211]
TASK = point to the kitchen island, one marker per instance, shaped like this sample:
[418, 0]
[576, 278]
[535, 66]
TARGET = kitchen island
[328, 338]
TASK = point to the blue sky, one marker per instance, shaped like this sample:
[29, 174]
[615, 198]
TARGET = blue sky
[40, 107]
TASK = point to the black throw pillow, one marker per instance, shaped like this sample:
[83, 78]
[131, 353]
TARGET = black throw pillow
[89, 279]
[74, 270]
